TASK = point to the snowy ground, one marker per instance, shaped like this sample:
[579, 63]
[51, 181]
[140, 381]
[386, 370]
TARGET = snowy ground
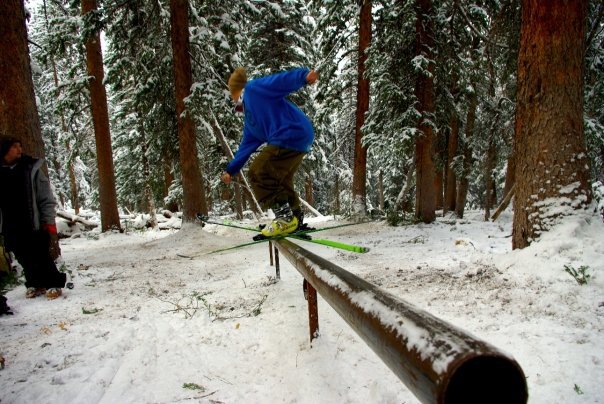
[144, 325]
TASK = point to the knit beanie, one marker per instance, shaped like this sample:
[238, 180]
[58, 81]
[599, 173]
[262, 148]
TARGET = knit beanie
[237, 80]
[6, 142]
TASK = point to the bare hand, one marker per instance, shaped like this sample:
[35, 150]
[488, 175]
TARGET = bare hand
[226, 178]
[312, 77]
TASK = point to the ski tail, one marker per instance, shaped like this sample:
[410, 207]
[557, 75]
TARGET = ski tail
[334, 244]
[206, 219]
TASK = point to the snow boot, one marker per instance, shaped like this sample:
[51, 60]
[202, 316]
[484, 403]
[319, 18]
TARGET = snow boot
[4, 309]
[53, 293]
[30, 293]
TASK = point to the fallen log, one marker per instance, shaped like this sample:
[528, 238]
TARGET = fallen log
[77, 219]
[504, 204]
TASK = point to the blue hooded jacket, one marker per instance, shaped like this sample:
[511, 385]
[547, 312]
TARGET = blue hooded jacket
[270, 118]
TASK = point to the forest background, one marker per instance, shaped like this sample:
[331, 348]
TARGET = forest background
[398, 81]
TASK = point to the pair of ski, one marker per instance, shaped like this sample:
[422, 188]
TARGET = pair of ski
[301, 234]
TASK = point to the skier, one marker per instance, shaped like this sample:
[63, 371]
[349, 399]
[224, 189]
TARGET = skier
[272, 119]
[27, 219]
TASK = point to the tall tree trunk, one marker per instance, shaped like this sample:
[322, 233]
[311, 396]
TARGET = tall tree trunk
[309, 190]
[18, 111]
[359, 179]
[167, 165]
[380, 190]
[73, 188]
[438, 188]
[336, 195]
[238, 201]
[425, 196]
[193, 191]
[403, 202]
[464, 180]
[552, 168]
[489, 181]
[491, 156]
[148, 200]
[100, 117]
[450, 177]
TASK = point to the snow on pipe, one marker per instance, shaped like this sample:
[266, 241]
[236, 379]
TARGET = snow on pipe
[438, 362]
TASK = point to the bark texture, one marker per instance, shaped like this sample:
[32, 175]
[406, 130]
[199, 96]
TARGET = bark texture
[552, 168]
[100, 117]
[359, 180]
[18, 110]
[450, 177]
[425, 196]
[193, 192]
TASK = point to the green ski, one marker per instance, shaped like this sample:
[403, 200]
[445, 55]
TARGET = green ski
[206, 219]
[300, 235]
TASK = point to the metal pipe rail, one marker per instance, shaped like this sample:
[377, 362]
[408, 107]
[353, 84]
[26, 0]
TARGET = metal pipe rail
[437, 361]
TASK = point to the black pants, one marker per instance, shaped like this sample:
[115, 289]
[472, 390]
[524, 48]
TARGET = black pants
[31, 250]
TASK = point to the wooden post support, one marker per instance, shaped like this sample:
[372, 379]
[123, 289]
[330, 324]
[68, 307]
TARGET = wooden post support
[313, 310]
[270, 252]
[277, 269]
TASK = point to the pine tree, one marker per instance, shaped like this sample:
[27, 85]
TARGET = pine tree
[18, 110]
[594, 97]
[144, 121]
[192, 181]
[279, 39]
[425, 197]
[218, 37]
[359, 180]
[336, 41]
[392, 117]
[61, 86]
[551, 163]
[100, 117]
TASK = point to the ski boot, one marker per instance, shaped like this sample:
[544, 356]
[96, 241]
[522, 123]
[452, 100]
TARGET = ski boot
[285, 222]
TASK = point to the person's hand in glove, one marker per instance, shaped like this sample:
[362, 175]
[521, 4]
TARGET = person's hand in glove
[53, 248]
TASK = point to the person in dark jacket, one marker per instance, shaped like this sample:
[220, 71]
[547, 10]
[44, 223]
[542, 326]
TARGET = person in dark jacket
[271, 119]
[27, 219]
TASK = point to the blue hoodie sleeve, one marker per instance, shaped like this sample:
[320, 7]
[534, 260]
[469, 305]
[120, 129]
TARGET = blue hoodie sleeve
[249, 144]
[281, 84]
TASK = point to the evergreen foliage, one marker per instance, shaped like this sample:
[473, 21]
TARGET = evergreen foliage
[64, 102]
[139, 75]
[475, 50]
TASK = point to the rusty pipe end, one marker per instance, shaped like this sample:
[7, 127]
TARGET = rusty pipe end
[486, 379]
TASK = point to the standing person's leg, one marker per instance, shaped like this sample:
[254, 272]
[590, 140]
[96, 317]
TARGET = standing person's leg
[51, 276]
[38, 267]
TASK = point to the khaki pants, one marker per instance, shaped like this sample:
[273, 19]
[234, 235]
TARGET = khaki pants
[272, 177]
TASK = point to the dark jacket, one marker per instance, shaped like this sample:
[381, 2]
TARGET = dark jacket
[40, 199]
